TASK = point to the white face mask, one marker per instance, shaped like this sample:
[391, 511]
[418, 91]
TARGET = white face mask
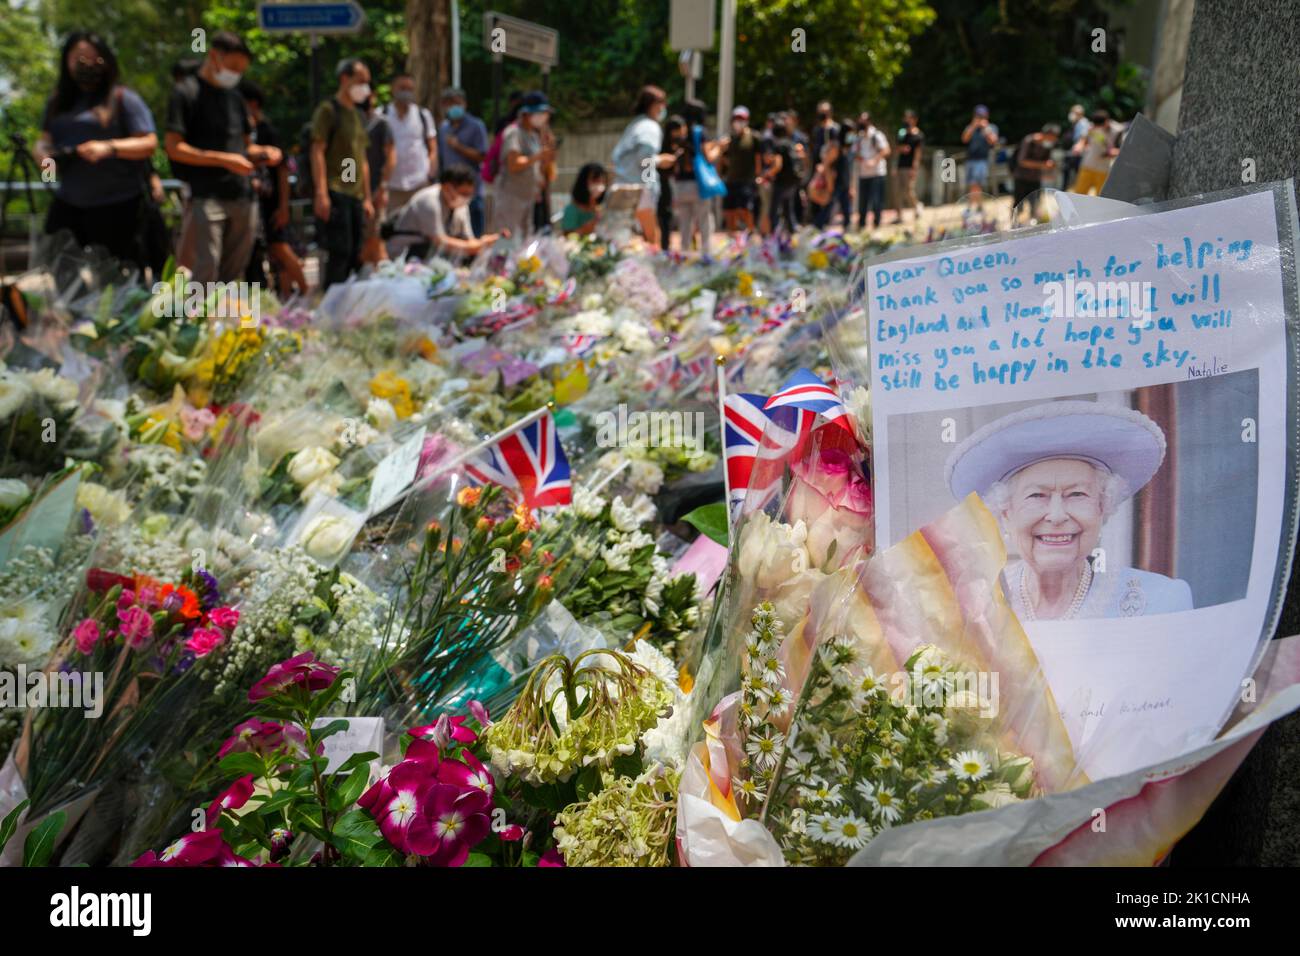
[360, 92]
[597, 192]
[227, 79]
[538, 120]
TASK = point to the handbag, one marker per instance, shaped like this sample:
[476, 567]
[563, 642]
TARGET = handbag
[707, 180]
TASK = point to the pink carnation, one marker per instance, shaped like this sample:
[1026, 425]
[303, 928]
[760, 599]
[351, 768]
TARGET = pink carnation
[136, 626]
[225, 618]
[205, 640]
[87, 635]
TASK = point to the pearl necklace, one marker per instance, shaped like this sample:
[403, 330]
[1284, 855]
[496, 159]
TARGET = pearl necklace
[1080, 592]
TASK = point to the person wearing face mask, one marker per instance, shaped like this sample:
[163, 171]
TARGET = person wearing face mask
[525, 159]
[100, 136]
[341, 172]
[582, 214]
[740, 153]
[415, 142]
[437, 219]
[381, 157]
[638, 156]
[209, 142]
[463, 140]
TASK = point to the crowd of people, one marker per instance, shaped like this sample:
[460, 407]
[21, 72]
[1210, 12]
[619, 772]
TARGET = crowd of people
[388, 180]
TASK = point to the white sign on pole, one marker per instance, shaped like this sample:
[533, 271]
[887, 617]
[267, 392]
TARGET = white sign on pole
[510, 36]
[690, 24]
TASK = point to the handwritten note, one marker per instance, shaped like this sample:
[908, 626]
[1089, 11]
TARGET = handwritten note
[1102, 308]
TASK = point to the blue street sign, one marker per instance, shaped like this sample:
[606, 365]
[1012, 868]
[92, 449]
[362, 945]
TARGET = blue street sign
[345, 16]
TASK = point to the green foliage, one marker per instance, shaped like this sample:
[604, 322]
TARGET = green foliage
[710, 520]
[853, 50]
[1029, 60]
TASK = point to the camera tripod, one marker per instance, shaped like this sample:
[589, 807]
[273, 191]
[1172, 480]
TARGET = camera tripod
[21, 162]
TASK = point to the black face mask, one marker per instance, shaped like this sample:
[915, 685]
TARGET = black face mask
[88, 76]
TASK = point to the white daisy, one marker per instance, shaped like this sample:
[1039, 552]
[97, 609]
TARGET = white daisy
[764, 748]
[885, 805]
[849, 831]
[970, 765]
[821, 792]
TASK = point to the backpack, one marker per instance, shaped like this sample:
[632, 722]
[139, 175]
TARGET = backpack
[389, 111]
[491, 166]
[303, 186]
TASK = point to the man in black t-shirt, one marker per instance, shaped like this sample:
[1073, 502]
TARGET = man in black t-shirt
[271, 188]
[911, 141]
[779, 171]
[209, 141]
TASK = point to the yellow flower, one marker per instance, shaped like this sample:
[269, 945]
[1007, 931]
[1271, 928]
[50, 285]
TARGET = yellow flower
[745, 284]
[818, 259]
[530, 265]
[397, 390]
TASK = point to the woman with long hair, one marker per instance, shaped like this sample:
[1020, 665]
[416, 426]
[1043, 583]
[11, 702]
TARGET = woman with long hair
[99, 134]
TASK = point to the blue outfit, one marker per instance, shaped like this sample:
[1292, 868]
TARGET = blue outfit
[1119, 592]
[470, 132]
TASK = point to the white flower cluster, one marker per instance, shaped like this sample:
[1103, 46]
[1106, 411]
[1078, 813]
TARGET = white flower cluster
[166, 476]
[27, 633]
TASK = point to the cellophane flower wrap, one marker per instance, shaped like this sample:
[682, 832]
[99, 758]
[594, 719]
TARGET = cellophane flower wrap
[873, 689]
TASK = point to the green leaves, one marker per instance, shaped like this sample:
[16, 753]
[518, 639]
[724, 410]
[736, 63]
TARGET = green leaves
[710, 520]
[39, 846]
[10, 823]
[241, 764]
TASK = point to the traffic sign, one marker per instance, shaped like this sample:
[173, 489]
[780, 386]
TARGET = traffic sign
[510, 36]
[343, 16]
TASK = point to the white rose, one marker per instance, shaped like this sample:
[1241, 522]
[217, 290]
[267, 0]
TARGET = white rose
[327, 537]
[381, 414]
[310, 464]
[859, 404]
[13, 492]
[772, 552]
[327, 485]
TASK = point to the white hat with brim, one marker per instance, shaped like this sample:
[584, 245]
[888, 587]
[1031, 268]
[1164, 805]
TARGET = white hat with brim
[1119, 440]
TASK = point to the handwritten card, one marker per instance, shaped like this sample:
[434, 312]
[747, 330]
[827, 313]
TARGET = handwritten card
[1116, 393]
[394, 472]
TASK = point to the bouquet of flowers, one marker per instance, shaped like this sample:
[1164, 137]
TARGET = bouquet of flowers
[147, 639]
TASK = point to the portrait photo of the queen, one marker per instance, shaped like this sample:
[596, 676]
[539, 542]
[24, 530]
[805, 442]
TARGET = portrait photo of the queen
[1053, 474]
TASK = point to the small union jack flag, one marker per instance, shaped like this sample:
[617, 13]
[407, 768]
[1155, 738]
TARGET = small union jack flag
[805, 390]
[530, 461]
[575, 343]
[691, 369]
[564, 293]
[756, 442]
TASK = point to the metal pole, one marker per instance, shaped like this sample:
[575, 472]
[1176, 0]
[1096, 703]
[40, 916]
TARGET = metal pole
[455, 43]
[727, 65]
